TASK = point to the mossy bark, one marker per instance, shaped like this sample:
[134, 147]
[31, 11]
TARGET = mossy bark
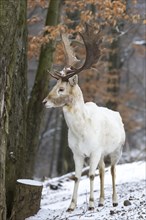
[14, 90]
[39, 91]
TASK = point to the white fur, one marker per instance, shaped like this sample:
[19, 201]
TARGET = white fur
[93, 128]
[94, 132]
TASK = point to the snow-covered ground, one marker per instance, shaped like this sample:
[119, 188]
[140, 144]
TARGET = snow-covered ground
[131, 189]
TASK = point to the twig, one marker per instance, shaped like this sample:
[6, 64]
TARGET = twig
[66, 218]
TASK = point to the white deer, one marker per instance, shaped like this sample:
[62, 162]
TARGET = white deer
[93, 131]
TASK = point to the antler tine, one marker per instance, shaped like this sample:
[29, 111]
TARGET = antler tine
[91, 42]
[55, 75]
[70, 56]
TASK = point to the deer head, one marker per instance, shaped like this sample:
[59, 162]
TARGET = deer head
[63, 92]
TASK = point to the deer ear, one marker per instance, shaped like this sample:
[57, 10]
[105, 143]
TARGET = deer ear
[73, 80]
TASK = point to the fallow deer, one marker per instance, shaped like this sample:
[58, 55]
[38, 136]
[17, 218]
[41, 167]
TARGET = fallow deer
[93, 131]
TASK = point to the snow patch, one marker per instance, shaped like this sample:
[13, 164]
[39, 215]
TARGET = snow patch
[30, 182]
[130, 186]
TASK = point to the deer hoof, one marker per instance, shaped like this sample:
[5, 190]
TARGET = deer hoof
[91, 208]
[69, 210]
[115, 204]
[100, 205]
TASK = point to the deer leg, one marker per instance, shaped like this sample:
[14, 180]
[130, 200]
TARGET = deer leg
[79, 161]
[94, 159]
[101, 175]
[114, 197]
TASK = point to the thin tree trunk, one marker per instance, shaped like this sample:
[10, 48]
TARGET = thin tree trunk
[113, 76]
[54, 142]
[39, 91]
[65, 156]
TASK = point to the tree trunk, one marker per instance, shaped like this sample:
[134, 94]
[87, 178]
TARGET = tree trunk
[39, 91]
[113, 76]
[65, 156]
[3, 143]
[54, 143]
[27, 199]
[13, 94]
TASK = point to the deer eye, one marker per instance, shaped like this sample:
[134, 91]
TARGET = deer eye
[61, 89]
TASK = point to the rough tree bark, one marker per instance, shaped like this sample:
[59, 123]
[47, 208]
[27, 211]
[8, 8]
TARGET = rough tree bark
[113, 76]
[3, 142]
[27, 199]
[39, 91]
[13, 96]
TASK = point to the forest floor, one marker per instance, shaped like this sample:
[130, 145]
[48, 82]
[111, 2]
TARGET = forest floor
[131, 188]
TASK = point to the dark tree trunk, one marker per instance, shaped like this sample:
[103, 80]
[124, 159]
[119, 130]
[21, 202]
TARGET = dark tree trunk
[13, 94]
[54, 143]
[65, 156]
[27, 199]
[113, 76]
[39, 91]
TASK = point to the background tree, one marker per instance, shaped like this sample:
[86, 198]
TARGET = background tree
[35, 107]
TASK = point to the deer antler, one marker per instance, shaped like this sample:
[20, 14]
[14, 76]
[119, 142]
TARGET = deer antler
[91, 42]
[70, 56]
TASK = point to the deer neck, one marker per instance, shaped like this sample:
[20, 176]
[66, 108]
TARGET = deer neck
[75, 113]
[77, 100]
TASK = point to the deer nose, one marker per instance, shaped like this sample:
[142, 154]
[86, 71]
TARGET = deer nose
[44, 101]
